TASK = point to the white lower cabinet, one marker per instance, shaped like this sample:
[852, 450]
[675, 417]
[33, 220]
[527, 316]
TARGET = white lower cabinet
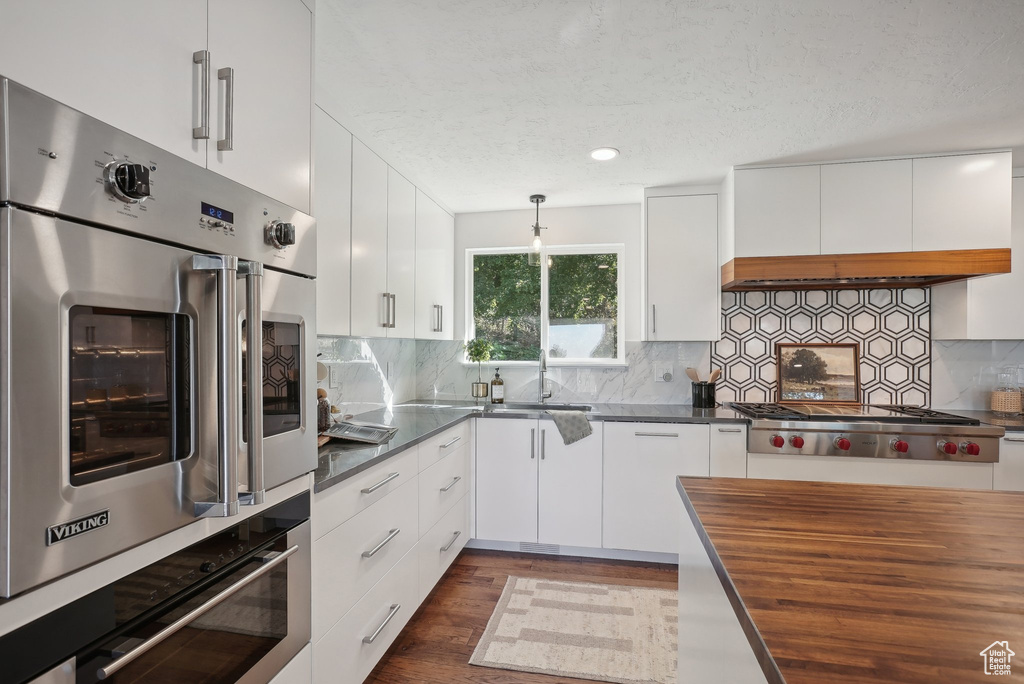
[353, 646]
[299, 669]
[442, 485]
[532, 487]
[894, 471]
[441, 544]
[641, 464]
[728, 450]
[1008, 474]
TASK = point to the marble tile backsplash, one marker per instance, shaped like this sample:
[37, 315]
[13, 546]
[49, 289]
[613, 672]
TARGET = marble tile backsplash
[441, 374]
[370, 373]
[964, 371]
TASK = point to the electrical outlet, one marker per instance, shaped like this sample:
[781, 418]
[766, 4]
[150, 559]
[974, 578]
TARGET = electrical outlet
[663, 373]
[334, 376]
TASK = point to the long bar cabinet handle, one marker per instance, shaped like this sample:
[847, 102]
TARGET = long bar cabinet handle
[192, 616]
[450, 442]
[452, 483]
[730, 429]
[392, 612]
[227, 143]
[387, 540]
[656, 434]
[372, 488]
[202, 131]
[447, 546]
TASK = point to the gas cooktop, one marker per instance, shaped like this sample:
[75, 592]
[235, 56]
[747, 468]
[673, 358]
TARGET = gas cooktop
[884, 413]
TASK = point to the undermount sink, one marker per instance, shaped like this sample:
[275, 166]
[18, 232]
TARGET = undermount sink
[526, 406]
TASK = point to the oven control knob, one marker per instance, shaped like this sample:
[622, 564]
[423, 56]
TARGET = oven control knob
[899, 446]
[207, 566]
[280, 234]
[970, 448]
[948, 447]
[842, 444]
[797, 442]
[128, 182]
[778, 442]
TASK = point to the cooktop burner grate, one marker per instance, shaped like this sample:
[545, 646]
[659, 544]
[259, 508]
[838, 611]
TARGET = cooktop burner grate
[926, 415]
[759, 410]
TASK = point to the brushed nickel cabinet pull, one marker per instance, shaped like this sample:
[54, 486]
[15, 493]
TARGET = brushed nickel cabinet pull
[373, 552]
[372, 488]
[395, 607]
[451, 484]
[449, 544]
[656, 434]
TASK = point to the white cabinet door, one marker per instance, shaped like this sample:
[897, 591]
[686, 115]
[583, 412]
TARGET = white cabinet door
[332, 208]
[435, 270]
[866, 207]
[728, 450]
[506, 479]
[683, 282]
[641, 464]
[977, 309]
[72, 52]
[889, 471]
[1009, 472]
[778, 211]
[569, 491]
[401, 254]
[369, 242]
[268, 43]
[962, 202]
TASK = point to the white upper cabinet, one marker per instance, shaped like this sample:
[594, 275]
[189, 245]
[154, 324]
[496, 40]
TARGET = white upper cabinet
[683, 282]
[867, 207]
[370, 304]
[984, 308]
[268, 45]
[69, 51]
[333, 212]
[778, 211]
[155, 90]
[435, 270]
[962, 202]
[401, 254]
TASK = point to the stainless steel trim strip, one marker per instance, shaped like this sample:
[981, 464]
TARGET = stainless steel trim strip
[450, 442]
[387, 540]
[451, 484]
[372, 488]
[376, 633]
[656, 434]
[447, 546]
[202, 131]
[252, 271]
[183, 621]
[226, 269]
[227, 143]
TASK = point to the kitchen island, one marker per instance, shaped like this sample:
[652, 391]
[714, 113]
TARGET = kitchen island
[810, 582]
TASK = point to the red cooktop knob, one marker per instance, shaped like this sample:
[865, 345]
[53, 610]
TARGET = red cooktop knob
[842, 444]
[778, 442]
[950, 448]
[899, 446]
[797, 442]
[970, 448]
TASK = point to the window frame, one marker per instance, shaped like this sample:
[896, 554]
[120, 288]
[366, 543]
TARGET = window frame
[619, 249]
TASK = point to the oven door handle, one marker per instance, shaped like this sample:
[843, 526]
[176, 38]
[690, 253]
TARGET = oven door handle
[252, 271]
[184, 620]
[226, 269]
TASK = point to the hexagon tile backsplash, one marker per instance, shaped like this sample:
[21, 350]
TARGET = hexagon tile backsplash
[891, 326]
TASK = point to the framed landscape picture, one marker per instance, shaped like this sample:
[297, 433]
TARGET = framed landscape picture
[826, 373]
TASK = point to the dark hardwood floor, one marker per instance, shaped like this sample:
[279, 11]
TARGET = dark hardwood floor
[434, 648]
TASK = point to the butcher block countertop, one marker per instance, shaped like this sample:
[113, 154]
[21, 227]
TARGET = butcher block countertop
[849, 584]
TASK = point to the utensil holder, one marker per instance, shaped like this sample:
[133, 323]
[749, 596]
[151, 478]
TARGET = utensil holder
[703, 395]
[480, 390]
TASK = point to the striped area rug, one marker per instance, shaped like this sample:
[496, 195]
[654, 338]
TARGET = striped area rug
[600, 632]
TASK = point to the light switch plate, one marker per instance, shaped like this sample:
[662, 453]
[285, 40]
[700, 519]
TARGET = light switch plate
[334, 378]
[661, 372]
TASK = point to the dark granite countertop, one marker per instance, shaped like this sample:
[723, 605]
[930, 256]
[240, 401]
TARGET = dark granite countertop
[1010, 424]
[418, 421]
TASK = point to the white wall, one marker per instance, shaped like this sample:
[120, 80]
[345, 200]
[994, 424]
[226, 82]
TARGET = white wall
[616, 223]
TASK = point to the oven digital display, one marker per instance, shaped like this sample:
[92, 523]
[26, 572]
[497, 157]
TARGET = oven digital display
[217, 213]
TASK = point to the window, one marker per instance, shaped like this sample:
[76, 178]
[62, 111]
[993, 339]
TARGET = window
[569, 304]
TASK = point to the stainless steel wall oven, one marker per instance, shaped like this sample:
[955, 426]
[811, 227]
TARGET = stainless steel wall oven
[134, 288]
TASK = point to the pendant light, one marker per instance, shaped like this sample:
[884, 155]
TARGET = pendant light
[535, 247]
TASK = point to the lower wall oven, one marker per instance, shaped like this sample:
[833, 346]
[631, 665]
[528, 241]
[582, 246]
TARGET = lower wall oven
[232, 608]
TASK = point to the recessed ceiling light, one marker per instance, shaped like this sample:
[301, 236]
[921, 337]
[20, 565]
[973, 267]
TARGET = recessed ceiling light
[604, 153]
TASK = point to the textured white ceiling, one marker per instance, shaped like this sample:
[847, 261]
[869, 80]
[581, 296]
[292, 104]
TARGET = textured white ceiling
[489, 101]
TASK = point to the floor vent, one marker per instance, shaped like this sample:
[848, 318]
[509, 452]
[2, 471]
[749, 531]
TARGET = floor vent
[531, 547]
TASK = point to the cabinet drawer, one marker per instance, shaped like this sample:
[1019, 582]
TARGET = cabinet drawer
[1008, 474]
[342, 501]
[351, 558]
[343, 654]
[441, 544]
[437, 447]
[441, 486]
[728, 450]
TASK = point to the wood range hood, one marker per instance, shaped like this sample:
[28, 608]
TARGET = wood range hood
[861, 271]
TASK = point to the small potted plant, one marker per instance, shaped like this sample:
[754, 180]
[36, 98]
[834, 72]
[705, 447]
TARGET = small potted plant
[479, 350]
